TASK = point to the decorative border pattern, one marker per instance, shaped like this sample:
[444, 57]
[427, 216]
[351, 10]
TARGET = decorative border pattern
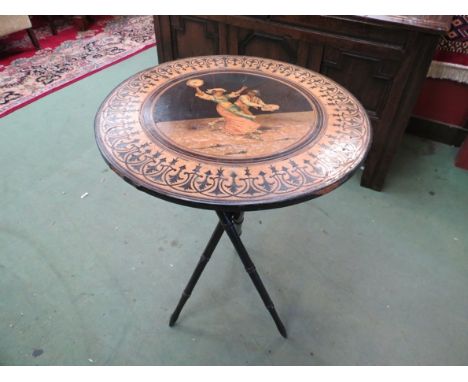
[315, 169]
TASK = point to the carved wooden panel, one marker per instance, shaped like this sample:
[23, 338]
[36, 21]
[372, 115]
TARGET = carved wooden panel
[370, 78]
[343, 26]
[186, 30]
[252, 43]
[312, 56]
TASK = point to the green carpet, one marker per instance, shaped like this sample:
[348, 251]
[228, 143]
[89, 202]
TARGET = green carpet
[358, 277]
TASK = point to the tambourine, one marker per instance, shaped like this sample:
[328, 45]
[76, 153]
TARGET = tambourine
[195, 83]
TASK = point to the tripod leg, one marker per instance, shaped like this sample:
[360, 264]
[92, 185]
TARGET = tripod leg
[229, 226]
[238, 219]
[205, 257]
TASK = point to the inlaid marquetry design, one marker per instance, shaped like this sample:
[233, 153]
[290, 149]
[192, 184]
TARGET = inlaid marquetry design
[232, 131]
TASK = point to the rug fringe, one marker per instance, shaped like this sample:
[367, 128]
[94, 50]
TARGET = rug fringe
[448, 71]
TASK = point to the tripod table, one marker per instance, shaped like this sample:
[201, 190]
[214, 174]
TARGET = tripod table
[232, 134]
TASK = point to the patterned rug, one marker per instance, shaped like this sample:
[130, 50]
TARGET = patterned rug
[451, 57]
[108, 41]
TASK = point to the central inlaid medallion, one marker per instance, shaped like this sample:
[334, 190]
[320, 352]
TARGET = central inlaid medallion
[232, 117]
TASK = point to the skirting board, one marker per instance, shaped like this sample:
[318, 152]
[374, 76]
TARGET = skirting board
[437, 131]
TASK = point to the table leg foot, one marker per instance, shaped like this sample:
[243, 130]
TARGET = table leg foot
[278, 322]
[178, 309]
[205, 257]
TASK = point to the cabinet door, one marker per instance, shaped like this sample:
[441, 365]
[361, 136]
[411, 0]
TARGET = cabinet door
[188, 36]
[370, 78]
[276, 46]
[261, 44]
[193, 36]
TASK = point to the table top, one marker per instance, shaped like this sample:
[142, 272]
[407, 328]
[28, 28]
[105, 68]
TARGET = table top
[232, 132]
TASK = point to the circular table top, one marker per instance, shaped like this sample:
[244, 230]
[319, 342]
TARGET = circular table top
[232, 132]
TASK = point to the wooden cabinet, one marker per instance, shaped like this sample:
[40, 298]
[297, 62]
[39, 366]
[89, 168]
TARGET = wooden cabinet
[381, 60]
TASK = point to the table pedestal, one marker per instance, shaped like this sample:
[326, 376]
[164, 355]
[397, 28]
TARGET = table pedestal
[231, 222]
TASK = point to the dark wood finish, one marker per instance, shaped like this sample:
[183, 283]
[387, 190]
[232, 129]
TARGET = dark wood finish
[228, 222]
[232, 132]
[205, 257]
[437, 131]
[53, 27]
[432, 24]
[33, 38]
[383, 60]
[82, 22]
[229, 225]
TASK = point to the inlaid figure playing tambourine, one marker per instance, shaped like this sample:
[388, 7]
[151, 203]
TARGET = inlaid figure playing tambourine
[238, 119]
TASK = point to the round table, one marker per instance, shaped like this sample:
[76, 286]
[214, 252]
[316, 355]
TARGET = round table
[232, 134]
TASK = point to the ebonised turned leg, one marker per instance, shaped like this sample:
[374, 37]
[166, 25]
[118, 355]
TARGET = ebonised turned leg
[227, 220]
[231, 223]
[205, 257]
[238, 219]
